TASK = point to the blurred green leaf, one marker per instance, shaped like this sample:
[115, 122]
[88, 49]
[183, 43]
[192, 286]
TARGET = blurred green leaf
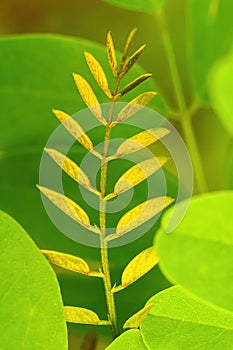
[211, 33]
[147, 6]
[179, 321]
[221, 91]
[32, 313]
[229, 169]
[130, 340]
[198, 254]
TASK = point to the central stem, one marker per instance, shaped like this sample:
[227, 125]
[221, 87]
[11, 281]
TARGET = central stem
[103, 243]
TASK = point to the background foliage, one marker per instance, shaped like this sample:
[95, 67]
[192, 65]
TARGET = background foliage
[36, 77]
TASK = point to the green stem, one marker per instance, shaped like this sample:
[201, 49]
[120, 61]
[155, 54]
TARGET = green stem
[186, 124]
[185, 114]
[110, 299]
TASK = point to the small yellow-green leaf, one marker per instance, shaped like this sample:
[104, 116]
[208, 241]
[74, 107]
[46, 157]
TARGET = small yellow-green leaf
[98, 73]
[127, 45]
[81, 315]
[138, 173]
[134, 83]
[140, 214]
[89, 97]
[67, 261]
[111, 54]
[135, 105]
[141, 140]
[71, 168]
[139, 266]
[69, 207]
[132, 59]
[74, 128]
[135, 320]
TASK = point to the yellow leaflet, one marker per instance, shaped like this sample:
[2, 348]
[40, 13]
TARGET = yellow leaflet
[139, 266]
[72, 169]
[127, 45]
[141, 140]
[138, 173]
[70, 262]
[69, 207]
[111, 54]
[89, 97]
[136, 320]
[134, 83]
[67, 261]
[135, 105]
[98, 73]
[83, 316]
[80, 315]
[74, 128]
[140, 214]
[132, 59]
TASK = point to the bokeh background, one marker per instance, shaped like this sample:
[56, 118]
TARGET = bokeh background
[92, 19]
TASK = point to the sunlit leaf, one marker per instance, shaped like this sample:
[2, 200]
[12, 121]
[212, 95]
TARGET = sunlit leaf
[140, 214]
[69, 207]
[135, 105]
[139, 173]
[139, 266]
[135, 320]
[67, 261]
[81, 315]
[71, 168]
[141, 140]
[127, 46]
[89, 97]
[111, 54]
[98, 73]
[74, 128]
[133, 58]
[135, 83]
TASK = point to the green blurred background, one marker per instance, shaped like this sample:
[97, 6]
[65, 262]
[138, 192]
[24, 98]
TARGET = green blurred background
[91, 19]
